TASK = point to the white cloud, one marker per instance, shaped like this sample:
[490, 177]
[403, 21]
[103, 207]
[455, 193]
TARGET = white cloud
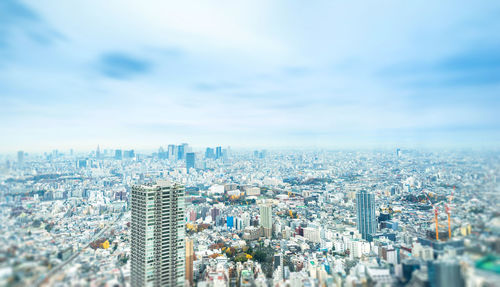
[243, 72]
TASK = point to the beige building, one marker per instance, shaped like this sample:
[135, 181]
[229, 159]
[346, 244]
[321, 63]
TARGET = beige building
[189, 261]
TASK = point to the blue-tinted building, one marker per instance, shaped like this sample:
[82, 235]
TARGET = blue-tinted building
[230, 222]
[190, 158]
[365, 208]
[209, 153]
[445, 273]
[218, 152]
[180, 152]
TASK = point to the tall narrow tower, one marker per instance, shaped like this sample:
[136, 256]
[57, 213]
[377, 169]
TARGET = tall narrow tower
[218, 152]
[266, 218]
[157, 240]
[190, 161]
[20, 157]
[365, 208]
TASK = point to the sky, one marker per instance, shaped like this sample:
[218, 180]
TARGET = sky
[329, 74]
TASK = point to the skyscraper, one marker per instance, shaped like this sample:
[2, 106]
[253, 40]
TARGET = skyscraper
[218, 152]
[129, 154]
[190, 160]
[209, 153]
[266, 218]
[162, 154]
[445, 272]
[365, 208]
[186, 148]
[20, 157]
[180, 152]
[118, 154]
[157, 240]
[171, 152]
[98, 152]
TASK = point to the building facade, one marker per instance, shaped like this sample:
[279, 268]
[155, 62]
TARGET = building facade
[190, 158]
[365, 210]
[266, 219]
[157, 237]
[218, 152]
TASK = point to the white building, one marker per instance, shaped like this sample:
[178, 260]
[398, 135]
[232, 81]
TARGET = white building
[157, 240]
[312, 234]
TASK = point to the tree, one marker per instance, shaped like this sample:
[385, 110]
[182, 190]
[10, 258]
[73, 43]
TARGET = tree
[259, 256]
[242, 257]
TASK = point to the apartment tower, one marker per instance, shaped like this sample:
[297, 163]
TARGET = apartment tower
[157, 239]
[266, 218]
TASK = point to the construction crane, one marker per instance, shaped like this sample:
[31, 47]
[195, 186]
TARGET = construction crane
[435, 215]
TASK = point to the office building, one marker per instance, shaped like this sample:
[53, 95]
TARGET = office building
[190, 158]
[186, 148]
[218, 152]
[446, 272]
[118, 154]
[157, 239]
[209, 153]
[266, 218]
[129, 154]
[365, 209]
[172, 152]
[180, 152]
[20, 156]
[162, 154]
[214, 213]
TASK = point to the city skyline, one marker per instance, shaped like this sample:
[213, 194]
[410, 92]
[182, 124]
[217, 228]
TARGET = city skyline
[249, 143]
[248, 74]
[250, 218]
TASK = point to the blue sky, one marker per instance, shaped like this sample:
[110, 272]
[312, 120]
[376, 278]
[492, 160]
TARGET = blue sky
[74, 74]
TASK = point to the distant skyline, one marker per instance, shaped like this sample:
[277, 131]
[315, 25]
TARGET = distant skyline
[327, 74]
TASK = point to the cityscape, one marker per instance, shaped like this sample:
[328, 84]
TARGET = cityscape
[182, 216]
[249, 143]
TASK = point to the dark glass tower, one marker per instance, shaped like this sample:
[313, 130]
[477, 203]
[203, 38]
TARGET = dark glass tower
[190, 160]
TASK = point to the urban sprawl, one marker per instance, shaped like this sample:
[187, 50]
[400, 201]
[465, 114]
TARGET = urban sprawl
[182, 216]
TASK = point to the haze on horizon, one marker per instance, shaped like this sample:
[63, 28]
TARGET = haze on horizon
[74, 74]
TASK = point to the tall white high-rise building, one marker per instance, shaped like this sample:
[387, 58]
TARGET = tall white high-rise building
[157, 240]
[266, 218]
[365, 208]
